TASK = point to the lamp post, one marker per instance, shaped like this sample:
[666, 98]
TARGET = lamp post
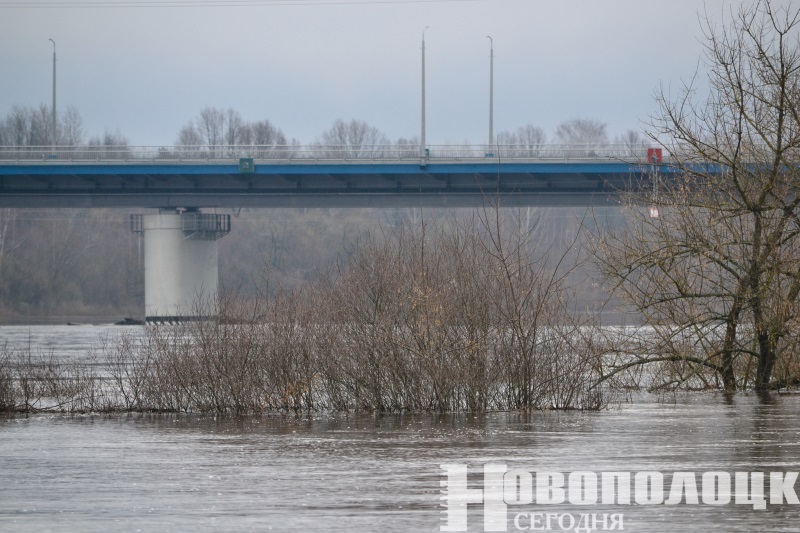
[54, 135]
[491, 91]
[422, 134]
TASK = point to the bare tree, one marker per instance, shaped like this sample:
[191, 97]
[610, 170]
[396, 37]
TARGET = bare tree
[630, 138]
[216, 127]
[211, 127]
[29, 126]
[526, 141]
[266, 134]
[406, 148]
[713, 267]
[113, 144]
[189, 136]
[234, 127]
[268, 140]
[41, 127]
[16, 127]
[634, 143]
[354, 140]
[583, 134]
[71, 130]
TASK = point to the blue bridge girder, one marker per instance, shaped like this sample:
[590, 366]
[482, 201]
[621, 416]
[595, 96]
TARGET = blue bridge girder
[313, 183]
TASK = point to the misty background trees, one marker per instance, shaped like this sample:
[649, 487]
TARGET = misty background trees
[214, 128]
[60, 265]
[67, 261]
[33, 126]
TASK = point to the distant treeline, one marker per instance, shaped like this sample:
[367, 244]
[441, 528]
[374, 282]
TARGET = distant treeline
[33, 126]
[59, 265]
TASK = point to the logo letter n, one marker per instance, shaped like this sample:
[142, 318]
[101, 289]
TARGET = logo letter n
[456, 496]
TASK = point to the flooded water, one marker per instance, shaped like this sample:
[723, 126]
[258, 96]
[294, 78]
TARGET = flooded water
[371, 473]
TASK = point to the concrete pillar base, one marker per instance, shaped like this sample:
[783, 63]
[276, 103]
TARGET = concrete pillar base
[180, 263]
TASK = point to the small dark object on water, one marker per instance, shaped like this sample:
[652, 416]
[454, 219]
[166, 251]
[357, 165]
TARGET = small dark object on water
[127, 321]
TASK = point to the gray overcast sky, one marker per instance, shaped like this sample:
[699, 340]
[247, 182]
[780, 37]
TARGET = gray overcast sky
[148, 70]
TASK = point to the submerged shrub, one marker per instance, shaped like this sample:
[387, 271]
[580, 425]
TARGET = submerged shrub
[470, 315]
[6, 383]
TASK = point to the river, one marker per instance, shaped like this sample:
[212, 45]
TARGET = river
[364, 472]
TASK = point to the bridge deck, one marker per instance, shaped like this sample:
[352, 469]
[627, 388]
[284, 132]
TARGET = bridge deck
[313, 183]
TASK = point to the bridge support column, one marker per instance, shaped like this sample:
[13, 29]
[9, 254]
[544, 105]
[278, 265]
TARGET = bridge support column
[180, 262]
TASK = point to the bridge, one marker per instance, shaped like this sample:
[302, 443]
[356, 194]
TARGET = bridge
[316, 176]
[181, 259]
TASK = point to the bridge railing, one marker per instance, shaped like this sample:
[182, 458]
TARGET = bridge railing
[321, 153]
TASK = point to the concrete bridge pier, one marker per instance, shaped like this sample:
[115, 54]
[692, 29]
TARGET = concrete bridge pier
[181, 266]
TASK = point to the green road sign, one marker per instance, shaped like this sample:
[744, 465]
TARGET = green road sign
[246, 165]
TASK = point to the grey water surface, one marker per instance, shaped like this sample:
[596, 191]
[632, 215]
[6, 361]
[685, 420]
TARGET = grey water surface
[364, 472]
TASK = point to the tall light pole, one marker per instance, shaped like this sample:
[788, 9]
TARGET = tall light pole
[54, 95]
[491, 91]
[422, 134]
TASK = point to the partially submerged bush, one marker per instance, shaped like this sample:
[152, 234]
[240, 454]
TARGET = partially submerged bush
[31, 382]
[6, 383]
[473, 315]
[456, 317]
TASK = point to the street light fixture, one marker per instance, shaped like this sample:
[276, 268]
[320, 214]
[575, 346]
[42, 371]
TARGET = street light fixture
[53, 138]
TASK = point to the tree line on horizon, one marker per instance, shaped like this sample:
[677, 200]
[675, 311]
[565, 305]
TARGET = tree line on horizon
[213, 127]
